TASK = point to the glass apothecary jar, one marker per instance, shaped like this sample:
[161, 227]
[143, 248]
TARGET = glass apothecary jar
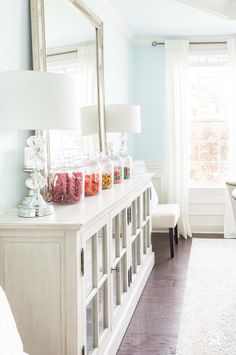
[93, 178]
[66, 185]
[127, 166]
[118, 168]
[107, 172]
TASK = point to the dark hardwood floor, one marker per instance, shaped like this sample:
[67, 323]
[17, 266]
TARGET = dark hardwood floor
[154, 327]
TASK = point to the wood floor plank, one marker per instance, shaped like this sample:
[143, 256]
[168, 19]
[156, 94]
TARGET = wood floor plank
[153, 329]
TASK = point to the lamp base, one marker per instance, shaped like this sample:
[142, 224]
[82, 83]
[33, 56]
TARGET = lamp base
[25, 212]
[33, 205]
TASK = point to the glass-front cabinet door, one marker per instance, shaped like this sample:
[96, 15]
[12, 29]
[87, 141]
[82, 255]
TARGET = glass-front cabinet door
[119, 271]
[141, 231]
[95, 285]
[136, 224]
[115, 251]
[146, 223]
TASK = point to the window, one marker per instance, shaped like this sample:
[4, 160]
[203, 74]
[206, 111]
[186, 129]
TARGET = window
[69, 145]
[209, 129]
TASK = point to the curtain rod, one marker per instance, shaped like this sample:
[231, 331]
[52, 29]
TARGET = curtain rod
[155, 43]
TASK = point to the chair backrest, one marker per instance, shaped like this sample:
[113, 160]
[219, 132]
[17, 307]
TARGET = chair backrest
[231, 185]
[155, 198]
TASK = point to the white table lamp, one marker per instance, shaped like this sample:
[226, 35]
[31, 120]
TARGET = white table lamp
[122, 118]
[34, 100]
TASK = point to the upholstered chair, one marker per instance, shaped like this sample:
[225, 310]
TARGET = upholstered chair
[165, 216]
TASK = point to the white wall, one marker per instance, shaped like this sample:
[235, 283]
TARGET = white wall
[15, 54]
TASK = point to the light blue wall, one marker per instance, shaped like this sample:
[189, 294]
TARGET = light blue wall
[118, 55]
[118, 64]
[15, 54]
[149, 94]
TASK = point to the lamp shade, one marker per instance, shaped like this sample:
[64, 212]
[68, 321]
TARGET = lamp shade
[123, 118]
[119, 118]
[89, 120]
[34, 100]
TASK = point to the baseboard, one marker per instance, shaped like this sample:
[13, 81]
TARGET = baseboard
[194, 235]
[208, 235]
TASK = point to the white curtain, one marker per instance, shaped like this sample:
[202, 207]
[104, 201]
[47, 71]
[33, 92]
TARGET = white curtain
[87, 75]
[230, 213]
[88, 87]
[177, 117]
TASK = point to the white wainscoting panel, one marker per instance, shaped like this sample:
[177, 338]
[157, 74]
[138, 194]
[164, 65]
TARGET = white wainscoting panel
[157, 179]
[206, 205]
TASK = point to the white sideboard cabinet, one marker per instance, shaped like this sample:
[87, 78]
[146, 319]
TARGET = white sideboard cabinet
[73, 279]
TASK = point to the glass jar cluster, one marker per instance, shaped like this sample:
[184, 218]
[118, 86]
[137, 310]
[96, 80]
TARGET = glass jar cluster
[69, 183]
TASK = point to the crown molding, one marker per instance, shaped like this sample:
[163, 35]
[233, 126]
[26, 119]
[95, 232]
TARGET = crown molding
[227, 11]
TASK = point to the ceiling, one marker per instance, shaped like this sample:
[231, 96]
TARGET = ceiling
[161, 18]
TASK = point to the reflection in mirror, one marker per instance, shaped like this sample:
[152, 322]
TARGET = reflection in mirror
[67, 38]
[71, 49]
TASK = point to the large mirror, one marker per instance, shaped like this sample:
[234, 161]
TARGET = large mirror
[68, 38]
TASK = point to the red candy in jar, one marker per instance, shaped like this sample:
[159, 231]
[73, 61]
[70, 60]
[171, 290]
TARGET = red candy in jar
[66, 186]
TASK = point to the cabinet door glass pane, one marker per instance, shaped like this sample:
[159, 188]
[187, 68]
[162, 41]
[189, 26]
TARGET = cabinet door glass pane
[90, 327]
[101, 246]
[145, 239]
[134, 215]
[123, 274]
[148, 235]
[122, 231]
[138, 249]
[89, 264]
[148, 202]
[102, 310]
[138, 217]
[115, 233]
[144, 206]
[115, 289]
[134, 257]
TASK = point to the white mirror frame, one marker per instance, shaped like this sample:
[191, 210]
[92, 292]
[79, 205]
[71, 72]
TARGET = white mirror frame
[39, 53]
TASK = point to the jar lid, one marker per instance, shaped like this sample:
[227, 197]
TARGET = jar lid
[91, 162]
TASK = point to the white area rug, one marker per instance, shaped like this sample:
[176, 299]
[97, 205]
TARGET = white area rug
[208, 323]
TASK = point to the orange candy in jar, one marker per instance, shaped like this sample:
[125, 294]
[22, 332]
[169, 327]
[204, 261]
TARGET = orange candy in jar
[93, 178]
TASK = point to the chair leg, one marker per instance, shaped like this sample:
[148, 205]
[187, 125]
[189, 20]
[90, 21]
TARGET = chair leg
[176, 234]
[171, 237]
